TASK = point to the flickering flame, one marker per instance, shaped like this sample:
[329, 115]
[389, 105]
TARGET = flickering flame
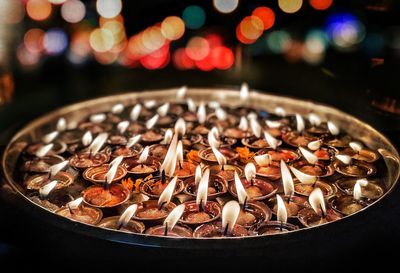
[220, 157]
[244, 124]
[143, 157]
[357, 193]
[314, 119]
[250, 171]
[179, 152]
[197, 176]
[316, 200]
[281, 212]
[252, 115]
[151, 122]
[241, 192]
[202, 189]
[314, 145]
[46, 189]
[309, 156]
[50, 137]
[181, 93]
[272, 142]
[255, 127]
[273, 123]
[180, 126]
[167, 193]
[163, 109]
[300, 123]
[356, 146]
[201, 113]
[150, 103]
[279, 111]
[244, 92]
[214, 104]
[303, 177]
[135, 113]
[333, 128]
[98, 118]
[170, 159]
[75, 203]
[168, 136]
[263, 160]
[122, 126]
[55, 169]
[215, 132]
[127, 215]
[230, 214]
[112, 171]
[97, 143]
[191, 105]
[133, 140]
[61, 125]
[44, 150]
[287, 180]
[87, 138]
[345, 159]
[220, 114]
[212, 140]
[117, 108]
[174, 217]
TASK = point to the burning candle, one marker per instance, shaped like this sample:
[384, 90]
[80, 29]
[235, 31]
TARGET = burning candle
[222, 169]
[298, 138]
[143, 165]
[184, 168]
[358, 152]
[152, 135]
[131, 149]
[258, 143]
[106, 173]
[312, 166]
[307, 183]
[75, 211]
[217, 186]
[267, 168]
[349, 204]
[240, 132]
[50, 198]
[124, 222]
[370, 190]
[348, 167]
[336, 139]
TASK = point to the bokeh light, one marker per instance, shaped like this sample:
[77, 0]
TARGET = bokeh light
[26, 58]
[222, 57]
[33, 40]
[173, 28]
[109, 8]
[266, 15]
[290, 6]
[279, 41]
[194, 17]
[73, 11]
[38, 10]
[57, 2]
[225, 6]
[101, 40]
[157, 59]
[321, 4]
[251, 27]
[197, 48]
[181, 60]
[11, 12]
[345, 30]
[55, 41]
[152, 38]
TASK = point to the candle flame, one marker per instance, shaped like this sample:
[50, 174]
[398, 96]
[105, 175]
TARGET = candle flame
[75, 203]
[151, 122]
[87, 138]
[127, 215]
[174, 217]
[300, 123]
[272, 142]
[220, 114]
[179, 152]
[150, 103]
[97, 143]
[250, 171]
[314, 119]
[113, 168]
[230, 214]
[345, 159]
[309, 156]
[215, 132]
[287, 180]
[98, 118]
[314, 145]
[273, 123]
[244, 124]
[133, 140]
[244, 92]
[135, 113]
[255, 127]
[180, 126]
[44, 150]
[279, 111]
[212, 139]
[163, 109]
[263, 160]
[281, 213]
[213, 104]
[191, 105]
[169, 163]
[241, 192]
[197, 176]
[202, 189]
[201, 113]
[181, 92]
[219, 156]
[357, 192]
[316, 200]
[46, 189]
[167, 193]
[168, 136]
[303, 177]
[117, 108]
[122, 126]
[143, 157]
[356, 146]
[333, 128]
[61, 125]
[50, 137]
[55, 169]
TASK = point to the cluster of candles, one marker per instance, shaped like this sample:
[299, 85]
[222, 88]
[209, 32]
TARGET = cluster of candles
[200, 169]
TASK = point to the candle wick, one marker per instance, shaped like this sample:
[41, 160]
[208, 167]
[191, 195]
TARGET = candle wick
[70, 209]
[180, 165]
[323, 213]
[245, 203]
[201, 206]
[222, 167]
[281, 226]
[252, 181]
[166, 229]
[162, 176]
[162, 205]
[226, 230]
[106, 184]
[289, 198]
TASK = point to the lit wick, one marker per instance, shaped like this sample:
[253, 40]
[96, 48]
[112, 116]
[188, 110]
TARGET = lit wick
[173, 218]
[220, 158]
[50, 137]
[300, 124]
[44, 150]
[112, 171]
[123, 126]
[46, 189]
[167, 193]
[287, 180]
[281, 213]
[87, 138]
[357, 192]
[55, 169]
[180, 127]
[179, 154]
[134, 115]
[202, 190]
[117, 108]
[244, 92]
[126, 216]
[75, 204]
[230, 214]
[181, 93]
[61, 125]
[250, 172]
[97, 143]
[241, 192]
[316, 200]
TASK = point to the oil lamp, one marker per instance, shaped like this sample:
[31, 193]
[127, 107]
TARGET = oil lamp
[217, 186]
[239, 132]
[336, 139]
[222, 119]
[280, 154]
[142, 166]
[312, 166]
[61, 125]
[214, 139]
[75, 211]
[159, 150]
[183, 169]
[358, 152]
[124, 222]
[131, 149]
[96, 124]
[267, 168]
[41, 164]
[64, 179]
[223, 169]
[258, 143]
[307, 183]
[354, 168]
[322, 153]
[298, 138]
[101, 174]
[49, 198]
[85, 141]
[370, 190]
[317, 126]
[226, 228]
[152, 135]
[169, 227]
[210, 155]
[349, 204]
[318, 213]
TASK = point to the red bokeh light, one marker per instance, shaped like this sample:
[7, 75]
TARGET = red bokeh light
[222, 57]
[205, 64]
[321, 4]
[266, 15]
[181, 60]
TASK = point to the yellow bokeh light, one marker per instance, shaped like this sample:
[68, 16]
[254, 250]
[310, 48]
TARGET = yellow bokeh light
[173, 28]
[152, 38]
[109, 8]
[251, 27]
[38, 10]
[290, 6]
[117, 29]
[101, 40]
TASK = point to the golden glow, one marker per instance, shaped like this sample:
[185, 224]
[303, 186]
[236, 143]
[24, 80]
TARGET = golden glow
[101, 40]
[230, 214]
[38, 10]
[173, 28]
[251, 27]
[127, 215]
[316, 200]
[290, 6]
[197, 48]
[167, 193]
[266, 15]
[174, 217]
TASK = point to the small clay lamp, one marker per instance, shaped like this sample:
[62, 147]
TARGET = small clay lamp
[209, 155]
[154, 187]
[49, 198]
[41, 164]
[267, 168]
[317, 127]
[274, 128]
[305, 184]
[79, 146]
[159, 150]
[345, 165]
[223, 169]
[142, 166]
[184, 169]
[71, 136]
[240, 132]
[336, 139]
[75, 211]
[226, 228]
[312, 166]
[124, 222]
[298, 138]
[267, 142]
[214, 139]
[131, 149]
[57, 147]
[358, 152]
[221, 119]
[322, 153]
[96, 124]
[64, 179]
[349, 204]
[152, 135]
[279, 154]
[370, 190]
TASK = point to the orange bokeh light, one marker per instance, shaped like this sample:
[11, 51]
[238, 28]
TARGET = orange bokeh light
[266, 15]
[173, 28]
[198, 48]
[222, 57]
[251, 27]
[181, 60]
[321, 4]
[33, 40]
[38, 10]
[241, 37]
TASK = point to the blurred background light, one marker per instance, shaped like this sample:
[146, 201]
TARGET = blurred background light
[194, 17]
[101, 40]
[55, 41]
[266, 15]
[197, 48]
[173, 28]
[38, 10]
[321, 4]
[290, 6]
[225, 6]
[279, 41]
[11, 12]
[33, 40]
[73, 11]
[109, 8]
[57, 2]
